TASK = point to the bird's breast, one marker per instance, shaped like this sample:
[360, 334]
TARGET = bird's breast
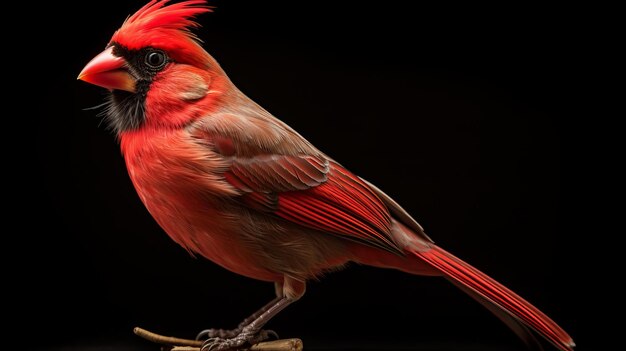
[173, 164]
[181, 184]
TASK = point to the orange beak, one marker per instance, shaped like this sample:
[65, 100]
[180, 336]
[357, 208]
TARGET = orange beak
[108, 71]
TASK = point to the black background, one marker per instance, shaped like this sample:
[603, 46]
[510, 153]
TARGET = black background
[453, 111]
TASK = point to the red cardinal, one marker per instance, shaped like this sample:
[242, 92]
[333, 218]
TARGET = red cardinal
[229, 181]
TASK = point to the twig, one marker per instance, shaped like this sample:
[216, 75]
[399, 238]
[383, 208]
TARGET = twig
[179, 344]
[165, 340]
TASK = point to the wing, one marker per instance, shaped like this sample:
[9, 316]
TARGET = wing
[316, 193]
[278, 172]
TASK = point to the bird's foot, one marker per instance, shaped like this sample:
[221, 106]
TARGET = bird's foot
[218, 333]
[245, 337]
[223, 333]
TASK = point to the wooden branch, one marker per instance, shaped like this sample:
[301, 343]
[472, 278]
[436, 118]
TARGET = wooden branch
[178, 344]
[166, 340]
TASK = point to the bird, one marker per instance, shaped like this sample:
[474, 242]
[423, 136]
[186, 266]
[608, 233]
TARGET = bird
[228, 181]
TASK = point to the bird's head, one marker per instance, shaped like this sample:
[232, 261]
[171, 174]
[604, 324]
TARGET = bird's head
[156, 71]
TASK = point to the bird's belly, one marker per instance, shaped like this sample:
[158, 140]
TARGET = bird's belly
[211, 234]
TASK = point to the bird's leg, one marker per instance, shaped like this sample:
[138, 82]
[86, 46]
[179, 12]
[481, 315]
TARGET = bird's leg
[231, 333]
[251, 333]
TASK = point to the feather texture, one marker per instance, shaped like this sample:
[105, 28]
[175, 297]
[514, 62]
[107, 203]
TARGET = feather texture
[313, 192]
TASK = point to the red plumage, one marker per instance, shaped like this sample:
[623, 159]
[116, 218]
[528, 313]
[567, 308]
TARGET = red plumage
[230, 182]
[482, 286]
[166, 27]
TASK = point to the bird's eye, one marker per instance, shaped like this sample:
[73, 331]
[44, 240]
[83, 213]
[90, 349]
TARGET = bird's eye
[156, 59]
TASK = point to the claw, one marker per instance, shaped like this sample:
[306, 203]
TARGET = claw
[262, 335]
[219, 344]
[209, 344]
[203, 334]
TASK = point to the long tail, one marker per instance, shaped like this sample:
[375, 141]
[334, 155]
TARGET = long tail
[507, 305]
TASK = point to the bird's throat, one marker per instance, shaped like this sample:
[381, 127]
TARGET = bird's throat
[126, 111]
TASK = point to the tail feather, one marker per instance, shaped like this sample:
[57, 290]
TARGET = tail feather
[488, 291]
[519, 328]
